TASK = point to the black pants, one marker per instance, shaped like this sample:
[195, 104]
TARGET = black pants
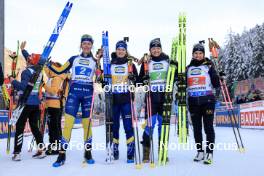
[203, 114]
[54, 124]
[32, 113]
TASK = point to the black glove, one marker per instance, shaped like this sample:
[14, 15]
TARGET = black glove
[222, 75]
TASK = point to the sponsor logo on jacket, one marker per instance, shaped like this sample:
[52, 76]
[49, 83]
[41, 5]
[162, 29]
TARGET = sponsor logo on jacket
[120, 69]
[84, 62]
[196, 71]
[158, 66]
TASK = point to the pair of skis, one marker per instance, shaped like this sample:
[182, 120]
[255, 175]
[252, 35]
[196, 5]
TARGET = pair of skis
[214, 49]
[108, 98]
[12, 97]
[149, 111]
[44, 59]
[177, 66]
[181, 58]
[138, 161]
[167, 105]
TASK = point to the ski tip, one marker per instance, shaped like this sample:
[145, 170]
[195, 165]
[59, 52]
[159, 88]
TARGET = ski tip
[152, 165]
[138, 166]
[69, 5]
[103, 33]
[242, 150]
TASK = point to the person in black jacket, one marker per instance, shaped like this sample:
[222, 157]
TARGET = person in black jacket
[31, 111]
[202, 78]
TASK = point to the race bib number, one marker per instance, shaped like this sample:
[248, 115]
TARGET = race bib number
[158, 75]
[196, 81]
[82, 71]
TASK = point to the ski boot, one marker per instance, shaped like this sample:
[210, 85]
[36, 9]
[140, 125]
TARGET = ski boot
[130, 159]
[199, 156]
[60, 160]
[208, 159]
[116, 155]
[130, 152]
[16, 157]
[40, 154]
[116, 151]
[88, 157]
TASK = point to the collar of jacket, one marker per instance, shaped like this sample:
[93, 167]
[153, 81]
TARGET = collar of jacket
[117, 60]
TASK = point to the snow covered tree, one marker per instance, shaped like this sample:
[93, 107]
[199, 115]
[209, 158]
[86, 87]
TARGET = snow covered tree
[256, 68]
[242, 57]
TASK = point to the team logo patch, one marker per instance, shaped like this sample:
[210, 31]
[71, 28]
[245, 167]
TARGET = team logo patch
[84, 62]
[120, 69]
[158, 66]
[196, 71]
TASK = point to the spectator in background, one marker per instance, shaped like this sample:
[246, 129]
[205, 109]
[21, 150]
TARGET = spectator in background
[256, 96]
[237, 99]
[242, 99]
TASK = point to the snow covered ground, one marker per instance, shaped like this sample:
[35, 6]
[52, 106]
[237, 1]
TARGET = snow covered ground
[226, 163]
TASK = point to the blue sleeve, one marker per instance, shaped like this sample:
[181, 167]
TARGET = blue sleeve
[25, 77]
[25, 54]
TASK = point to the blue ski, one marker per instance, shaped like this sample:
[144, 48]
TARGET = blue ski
[108, 98]
[44, 58]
